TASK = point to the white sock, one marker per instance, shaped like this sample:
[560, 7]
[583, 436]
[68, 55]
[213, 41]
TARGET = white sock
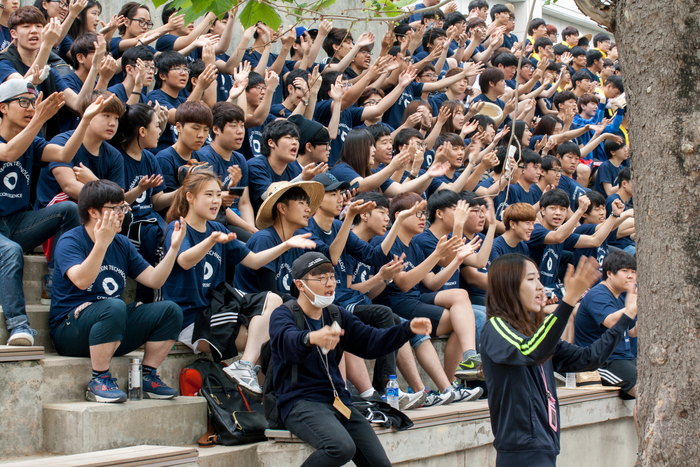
[401, 393]
[368, 393]
[447, 389]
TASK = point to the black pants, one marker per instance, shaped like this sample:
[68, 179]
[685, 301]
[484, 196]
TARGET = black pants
[381, 317]
[336, 439]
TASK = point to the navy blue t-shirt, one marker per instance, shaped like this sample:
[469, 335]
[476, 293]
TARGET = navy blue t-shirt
[253, 56]
[190, 288]
[617, 242]
[548, 256]
[134, 171]
[349, 119]
[119, 91]
[224, 81]
[436, 101]
[245, 278]
[500, 247]
[67, 120]
[394, 115]
[169, 135]
[572, 188]
[17, 178]
[261, 176]
[427, 242]
[108, 164]
[521, 196]
[596, 306]
[607, 173]
[114, 50]
[498, 102]
[392, 296]
[120, 260]
[5, 36]
[170, 161]
[598, 253]
[6, 69]
[165, 44]
[474, 291]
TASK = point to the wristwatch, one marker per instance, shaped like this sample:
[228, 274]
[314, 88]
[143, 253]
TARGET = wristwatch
[307, 341]
[305, 101]
[388, 282]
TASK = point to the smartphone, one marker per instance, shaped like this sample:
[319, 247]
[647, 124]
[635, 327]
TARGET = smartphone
[354, 186]
[236, 190]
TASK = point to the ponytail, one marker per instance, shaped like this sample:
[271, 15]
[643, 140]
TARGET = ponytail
[192, 184]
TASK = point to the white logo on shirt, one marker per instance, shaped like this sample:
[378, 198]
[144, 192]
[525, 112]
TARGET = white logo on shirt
[208, 271]
[142, 198]
[10, 180]
[110, 286]
[549, 264]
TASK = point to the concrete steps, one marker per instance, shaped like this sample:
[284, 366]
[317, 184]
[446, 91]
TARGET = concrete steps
[122, 457]
[38, 316]
[79, 427]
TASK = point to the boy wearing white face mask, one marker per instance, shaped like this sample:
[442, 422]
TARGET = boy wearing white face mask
[318, 408]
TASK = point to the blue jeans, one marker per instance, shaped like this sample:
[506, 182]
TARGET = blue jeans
[479, 320]
[24, 231]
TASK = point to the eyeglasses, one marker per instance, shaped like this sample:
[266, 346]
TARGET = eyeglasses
[24, 102]
[325, 145]
[61, 4]
[556, 171]
[259, 87]
[429, 76]
[324, 280]
[372, 102]
[346, 84]
[119, 209]
[143, 23]
[422, 214]
[521, 167]
[180, 69]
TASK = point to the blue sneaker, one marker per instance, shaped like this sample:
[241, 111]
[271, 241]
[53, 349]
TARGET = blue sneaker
[154, 388]
[104, 389]
[22, 335]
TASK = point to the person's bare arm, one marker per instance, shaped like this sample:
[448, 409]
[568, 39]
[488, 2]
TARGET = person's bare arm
[200, 29]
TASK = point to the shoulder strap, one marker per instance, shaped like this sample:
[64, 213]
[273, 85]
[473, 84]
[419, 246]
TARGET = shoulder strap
[299, 320]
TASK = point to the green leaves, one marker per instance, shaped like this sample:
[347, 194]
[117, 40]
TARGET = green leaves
[403, 3]
[254, 12]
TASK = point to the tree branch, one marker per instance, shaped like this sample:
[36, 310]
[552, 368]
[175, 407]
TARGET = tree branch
[600, 12]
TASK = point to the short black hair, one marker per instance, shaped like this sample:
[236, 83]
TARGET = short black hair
[327, 80]
[477, 4]
[578, 77]
[454, 18]
[616, 82]
[167, 12]
[596, 199]
[379, 130]
[472, 199]
[291, 76]
[498, 8]
[592, 56]
[132, 54]
[505, 60]
[530, 156]
[625, 175]
[431, 34]
[293, 194]
[562, 97]
[165, 62]
[224, 113]
[442, 200]
[534, 24]
[577, 51]
[549, 162]
[560, 49]
[555, 197]
[569, 31]
[600, 37]
[336, 36]
[95, 194]
[610, 145]
[274, 131]
[254, 79]
[618, 260]
[404, 136]
[568, 147]
[542, 42]
[379, 199]
[82, 45]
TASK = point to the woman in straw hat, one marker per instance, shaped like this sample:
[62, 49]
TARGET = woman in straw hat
[208, 249]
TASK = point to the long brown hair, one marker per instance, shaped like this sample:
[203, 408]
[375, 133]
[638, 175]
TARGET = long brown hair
[193, 184]
[449, 126]
[506, 273]
[356, 149]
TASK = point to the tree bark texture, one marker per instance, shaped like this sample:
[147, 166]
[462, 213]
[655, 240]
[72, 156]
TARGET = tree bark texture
[659, 45]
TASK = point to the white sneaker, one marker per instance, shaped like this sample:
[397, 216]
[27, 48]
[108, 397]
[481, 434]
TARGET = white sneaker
[244, 375]
[411, 401]
[22, 335]
[463, 394]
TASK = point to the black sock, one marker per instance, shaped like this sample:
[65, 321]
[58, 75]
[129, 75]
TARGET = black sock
[146, 370]
[98, 373]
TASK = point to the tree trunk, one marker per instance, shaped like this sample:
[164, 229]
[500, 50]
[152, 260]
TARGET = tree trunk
[658, 43]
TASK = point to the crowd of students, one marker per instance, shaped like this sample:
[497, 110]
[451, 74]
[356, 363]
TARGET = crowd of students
[130, 150]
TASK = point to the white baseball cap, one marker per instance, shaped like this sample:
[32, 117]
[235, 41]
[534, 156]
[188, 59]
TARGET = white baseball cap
[16, 87]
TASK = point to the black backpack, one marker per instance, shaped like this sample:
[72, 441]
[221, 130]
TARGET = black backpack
[233, 418]
[269, 400]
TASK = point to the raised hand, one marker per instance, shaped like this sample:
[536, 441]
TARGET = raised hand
[242, 71]
[45, 109]
[540, 144]
[311, 170]
[176, 22]
[106, 228]
[358, 207]
[76, 7]
[631, 301]
[51, 32]
[96, 107]
[236, 174]
[337, 89]
[407, 76]
[207, 77]
[221, 237]
[583, 203]
[448, 247]
[392, 268]
[438, 169]
[272, 79]
[472, 69]
[301, 241]
[618, 207]
[150, 182]
[365, 39]
[108, 67]
[406, 213]
[444, 115]
[179, 233]
[469, 128]
[399, 160]
[461, 214]
[584, 277]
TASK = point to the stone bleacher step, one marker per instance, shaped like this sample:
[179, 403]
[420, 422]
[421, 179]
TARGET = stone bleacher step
[82, 427]
[122, 457]
[15, 353]
[65, 378]
[38, 316]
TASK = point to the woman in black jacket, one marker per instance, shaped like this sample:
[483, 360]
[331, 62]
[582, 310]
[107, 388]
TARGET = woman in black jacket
[520, 352]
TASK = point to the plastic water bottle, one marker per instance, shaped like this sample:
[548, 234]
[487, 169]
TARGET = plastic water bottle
[571, 381]
[135, 374]
[392, 392]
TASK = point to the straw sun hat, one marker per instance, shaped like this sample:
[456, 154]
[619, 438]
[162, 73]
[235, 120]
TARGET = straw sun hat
[275, 191]
[491, 110]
